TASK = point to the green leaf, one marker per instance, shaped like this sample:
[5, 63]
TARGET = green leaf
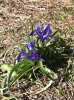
[46, 71]
[21, 68]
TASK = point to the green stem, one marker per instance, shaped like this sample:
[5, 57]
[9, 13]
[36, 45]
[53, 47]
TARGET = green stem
[45, 71]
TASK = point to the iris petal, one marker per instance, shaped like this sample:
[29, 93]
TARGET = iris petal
[18, 57]
[23, 53]
[38, 31]
[34, 56]
[30, 45]
[46, 36]
[46, 28]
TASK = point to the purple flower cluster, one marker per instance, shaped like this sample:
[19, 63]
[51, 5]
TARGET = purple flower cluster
[43, 35]
[33, 54]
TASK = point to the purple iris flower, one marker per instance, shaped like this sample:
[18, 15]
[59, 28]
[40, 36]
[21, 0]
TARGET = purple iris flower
[35, 56]
[32, 56]
[30, 45]
[45, 33]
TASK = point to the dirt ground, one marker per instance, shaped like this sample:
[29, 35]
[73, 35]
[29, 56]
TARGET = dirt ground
[16, 19]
